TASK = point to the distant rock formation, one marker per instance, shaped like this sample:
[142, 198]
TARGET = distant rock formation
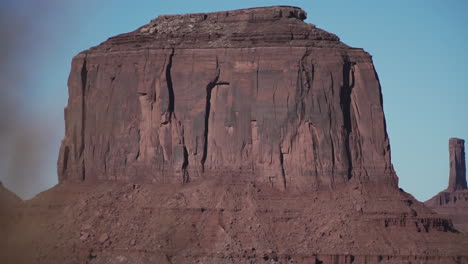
[453, 202]
[257, 93]
[457, 178]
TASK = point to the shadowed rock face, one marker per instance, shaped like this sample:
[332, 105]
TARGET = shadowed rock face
[457, 179]
[253, 94]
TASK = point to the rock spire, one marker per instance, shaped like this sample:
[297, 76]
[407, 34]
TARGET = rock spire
[457, 178]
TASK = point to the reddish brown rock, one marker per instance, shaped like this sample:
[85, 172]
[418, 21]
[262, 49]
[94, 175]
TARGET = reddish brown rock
[219, 222]
[103, 238]
[8, 199]
[9, 203]
[255, 94]
[457, 178]
[214, 113]
[453, 202]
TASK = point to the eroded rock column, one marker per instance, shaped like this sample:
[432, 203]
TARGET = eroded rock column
[457, 178]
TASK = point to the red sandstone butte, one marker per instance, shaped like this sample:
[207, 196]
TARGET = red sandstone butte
[253, 92]
[453, 201]
[245, 136]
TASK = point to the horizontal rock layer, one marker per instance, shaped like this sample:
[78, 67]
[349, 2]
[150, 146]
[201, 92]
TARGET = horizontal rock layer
[301, 117]
[452, 205]
[271, 26]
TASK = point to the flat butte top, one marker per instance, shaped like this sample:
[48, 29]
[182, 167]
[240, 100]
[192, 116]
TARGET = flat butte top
[276, 26]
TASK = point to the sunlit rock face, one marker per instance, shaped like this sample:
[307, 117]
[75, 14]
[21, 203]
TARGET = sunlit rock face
[253, 94]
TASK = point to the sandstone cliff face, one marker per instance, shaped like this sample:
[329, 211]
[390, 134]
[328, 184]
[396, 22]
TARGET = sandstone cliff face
[253, 94]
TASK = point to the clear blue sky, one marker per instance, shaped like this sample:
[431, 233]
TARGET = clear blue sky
[419, 50]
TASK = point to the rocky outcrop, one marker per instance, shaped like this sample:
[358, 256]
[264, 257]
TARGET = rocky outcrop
[7, 197]
[9, 203]
[215, 223]
[453, 202]
[457, 178]
[256, 94]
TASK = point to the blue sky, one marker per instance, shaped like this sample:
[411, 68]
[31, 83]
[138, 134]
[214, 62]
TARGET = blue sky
[418, 47]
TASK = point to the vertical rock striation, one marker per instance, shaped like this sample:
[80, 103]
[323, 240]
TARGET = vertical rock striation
[256, 93]
[457, 178]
